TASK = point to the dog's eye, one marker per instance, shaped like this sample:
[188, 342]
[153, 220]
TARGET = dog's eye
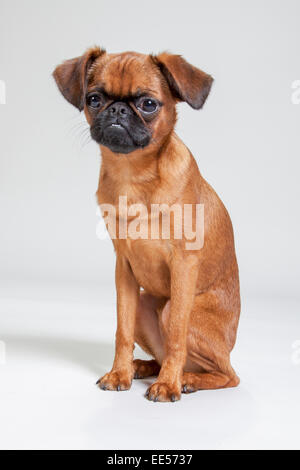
[148, 105]
[93, 101]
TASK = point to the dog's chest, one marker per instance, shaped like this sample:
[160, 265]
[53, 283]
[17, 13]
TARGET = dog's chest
[148, 260]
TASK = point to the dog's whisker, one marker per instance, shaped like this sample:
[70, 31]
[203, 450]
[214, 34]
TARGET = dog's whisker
[86, 142]
[80, 131]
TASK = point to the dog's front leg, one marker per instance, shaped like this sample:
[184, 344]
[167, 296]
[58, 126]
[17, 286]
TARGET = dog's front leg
[121, 375]
[184, 273]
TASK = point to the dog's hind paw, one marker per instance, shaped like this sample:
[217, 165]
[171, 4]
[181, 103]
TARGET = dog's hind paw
[144, 369]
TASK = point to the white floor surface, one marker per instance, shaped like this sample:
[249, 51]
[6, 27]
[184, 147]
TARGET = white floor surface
[56, 341]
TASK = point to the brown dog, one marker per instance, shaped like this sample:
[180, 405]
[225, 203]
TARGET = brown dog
[180, 304]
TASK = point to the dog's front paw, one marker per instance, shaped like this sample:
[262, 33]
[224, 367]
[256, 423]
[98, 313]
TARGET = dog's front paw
[115, 380]
[161, 391]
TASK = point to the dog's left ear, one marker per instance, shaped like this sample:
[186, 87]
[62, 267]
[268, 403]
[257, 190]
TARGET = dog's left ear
[71, 76]
[186, 82]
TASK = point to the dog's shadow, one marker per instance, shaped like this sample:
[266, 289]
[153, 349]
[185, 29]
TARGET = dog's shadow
[97, 357]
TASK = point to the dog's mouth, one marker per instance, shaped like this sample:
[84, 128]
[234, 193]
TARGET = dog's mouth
[119, 138]
[118, 128]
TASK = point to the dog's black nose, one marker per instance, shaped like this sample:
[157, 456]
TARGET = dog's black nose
[119, 109]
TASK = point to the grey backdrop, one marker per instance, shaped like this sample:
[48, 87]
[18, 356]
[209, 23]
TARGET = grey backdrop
[246, 139]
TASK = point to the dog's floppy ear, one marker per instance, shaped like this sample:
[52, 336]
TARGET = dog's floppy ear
[71, 75]
[186, 82]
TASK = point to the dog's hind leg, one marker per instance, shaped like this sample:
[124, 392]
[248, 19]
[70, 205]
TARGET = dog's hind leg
[144, 369]
[191, 381]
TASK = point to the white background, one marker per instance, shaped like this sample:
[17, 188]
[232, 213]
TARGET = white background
[57, 311]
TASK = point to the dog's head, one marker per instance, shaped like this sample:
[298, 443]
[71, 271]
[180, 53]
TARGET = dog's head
[129, 98]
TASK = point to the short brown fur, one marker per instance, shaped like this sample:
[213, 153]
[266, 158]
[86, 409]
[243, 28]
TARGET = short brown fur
[187, 315]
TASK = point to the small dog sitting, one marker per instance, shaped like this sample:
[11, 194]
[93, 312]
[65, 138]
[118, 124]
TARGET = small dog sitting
[177, 299]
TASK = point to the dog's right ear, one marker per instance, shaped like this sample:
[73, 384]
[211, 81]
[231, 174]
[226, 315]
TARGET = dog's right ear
[71, 76]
